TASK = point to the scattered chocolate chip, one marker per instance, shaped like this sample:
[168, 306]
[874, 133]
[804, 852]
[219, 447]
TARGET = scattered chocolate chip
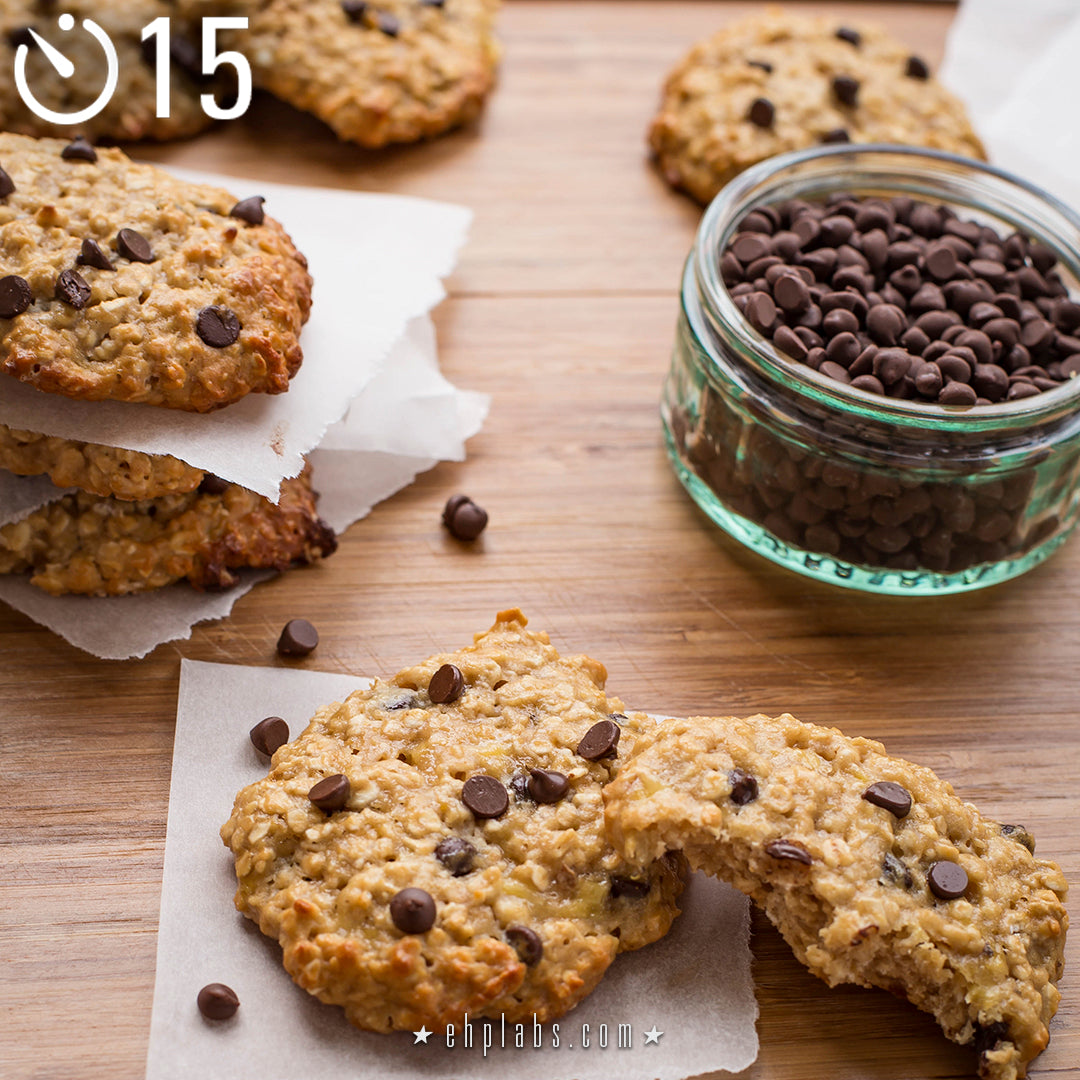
[7, 185]
[987, 1036]
[485, 796]
[526, 944]
[21, 35]
[853, 37]
[389, 24]
[465, 520]
[354, 10]
[332, 793]
[250, 210]
[134, 246]
[629, 888]
[92, 254]
[846, 90]
[213, 485]
[947, 880]
[218, 327]
[764, 65]
[446, 685]
[217, 1001]
[600, 741]
[917, 68]
[413, 911]
[762, 112]
[298, 638]
[1020, 835]
[456, 855]
[744, 788]
[15, 296]
[789, 850]
[889, 796]
[79, 150]
[72, 289]
[836, 135]
[269, 735]
[547, 786]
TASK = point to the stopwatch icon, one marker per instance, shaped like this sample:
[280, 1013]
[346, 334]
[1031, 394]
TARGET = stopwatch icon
[65, 68]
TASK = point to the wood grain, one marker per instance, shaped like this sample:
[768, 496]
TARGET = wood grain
[563, 309]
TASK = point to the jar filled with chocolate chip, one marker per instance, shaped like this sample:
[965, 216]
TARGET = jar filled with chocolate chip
[874, 379]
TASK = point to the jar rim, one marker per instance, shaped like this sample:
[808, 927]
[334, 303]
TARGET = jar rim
[884, 169]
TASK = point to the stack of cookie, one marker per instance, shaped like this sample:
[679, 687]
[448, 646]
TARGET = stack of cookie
[121, 283]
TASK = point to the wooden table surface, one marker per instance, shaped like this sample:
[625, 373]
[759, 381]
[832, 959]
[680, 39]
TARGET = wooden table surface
[563, 309]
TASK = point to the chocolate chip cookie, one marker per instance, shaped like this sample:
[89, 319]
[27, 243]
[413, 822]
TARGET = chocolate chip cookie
[118, 281]
[871, 867]
[388, 71]
[93, 546]
[131, 112]
[778, 82]
[100, 470]
[434, 846]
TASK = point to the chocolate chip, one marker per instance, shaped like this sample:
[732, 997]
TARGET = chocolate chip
[762, 113]
[947, 880]
[93, 255]
[917, 68]
[456, 855]
[413, 911]
[332, 793]
[298, 638]
[547, 786]
[600, 741]
[446, 685]
[526, 944]
[213, 485]
[744, 788]
[835, 135]
[895, 872]
[987, 1036]
[216, 1001]
[789, 850]
[519, 785]
[1020, 835]
[15, 296]
[269, 735]
[7, 185]
[354, 10]
[853, 37]
[464, 519]
[846, 90]
[485, 796]
[629, 888]
[20, 35]
[250, 210]
[72, 289]
[134, 246]
[79, 150]
[389, 24]
[957, 394]
[218, 327]
[889, 796]
[762, 64]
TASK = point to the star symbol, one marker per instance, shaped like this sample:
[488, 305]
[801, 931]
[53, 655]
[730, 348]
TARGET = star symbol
[423, 1033]
[653, 1036]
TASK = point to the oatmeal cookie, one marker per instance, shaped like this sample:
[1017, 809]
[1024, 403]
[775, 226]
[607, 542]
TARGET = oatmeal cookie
[434, 846]
[100, 470]
[119, 281]
[388, 71]
[92, 546]
[131, 112]
[778, 82]
[871, 868]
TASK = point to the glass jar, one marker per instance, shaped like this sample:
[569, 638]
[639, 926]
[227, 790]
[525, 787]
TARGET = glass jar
[865, 491]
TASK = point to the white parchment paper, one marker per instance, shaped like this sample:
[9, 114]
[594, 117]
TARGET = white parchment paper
[377, 261]
[430, 421]
[694, 986]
